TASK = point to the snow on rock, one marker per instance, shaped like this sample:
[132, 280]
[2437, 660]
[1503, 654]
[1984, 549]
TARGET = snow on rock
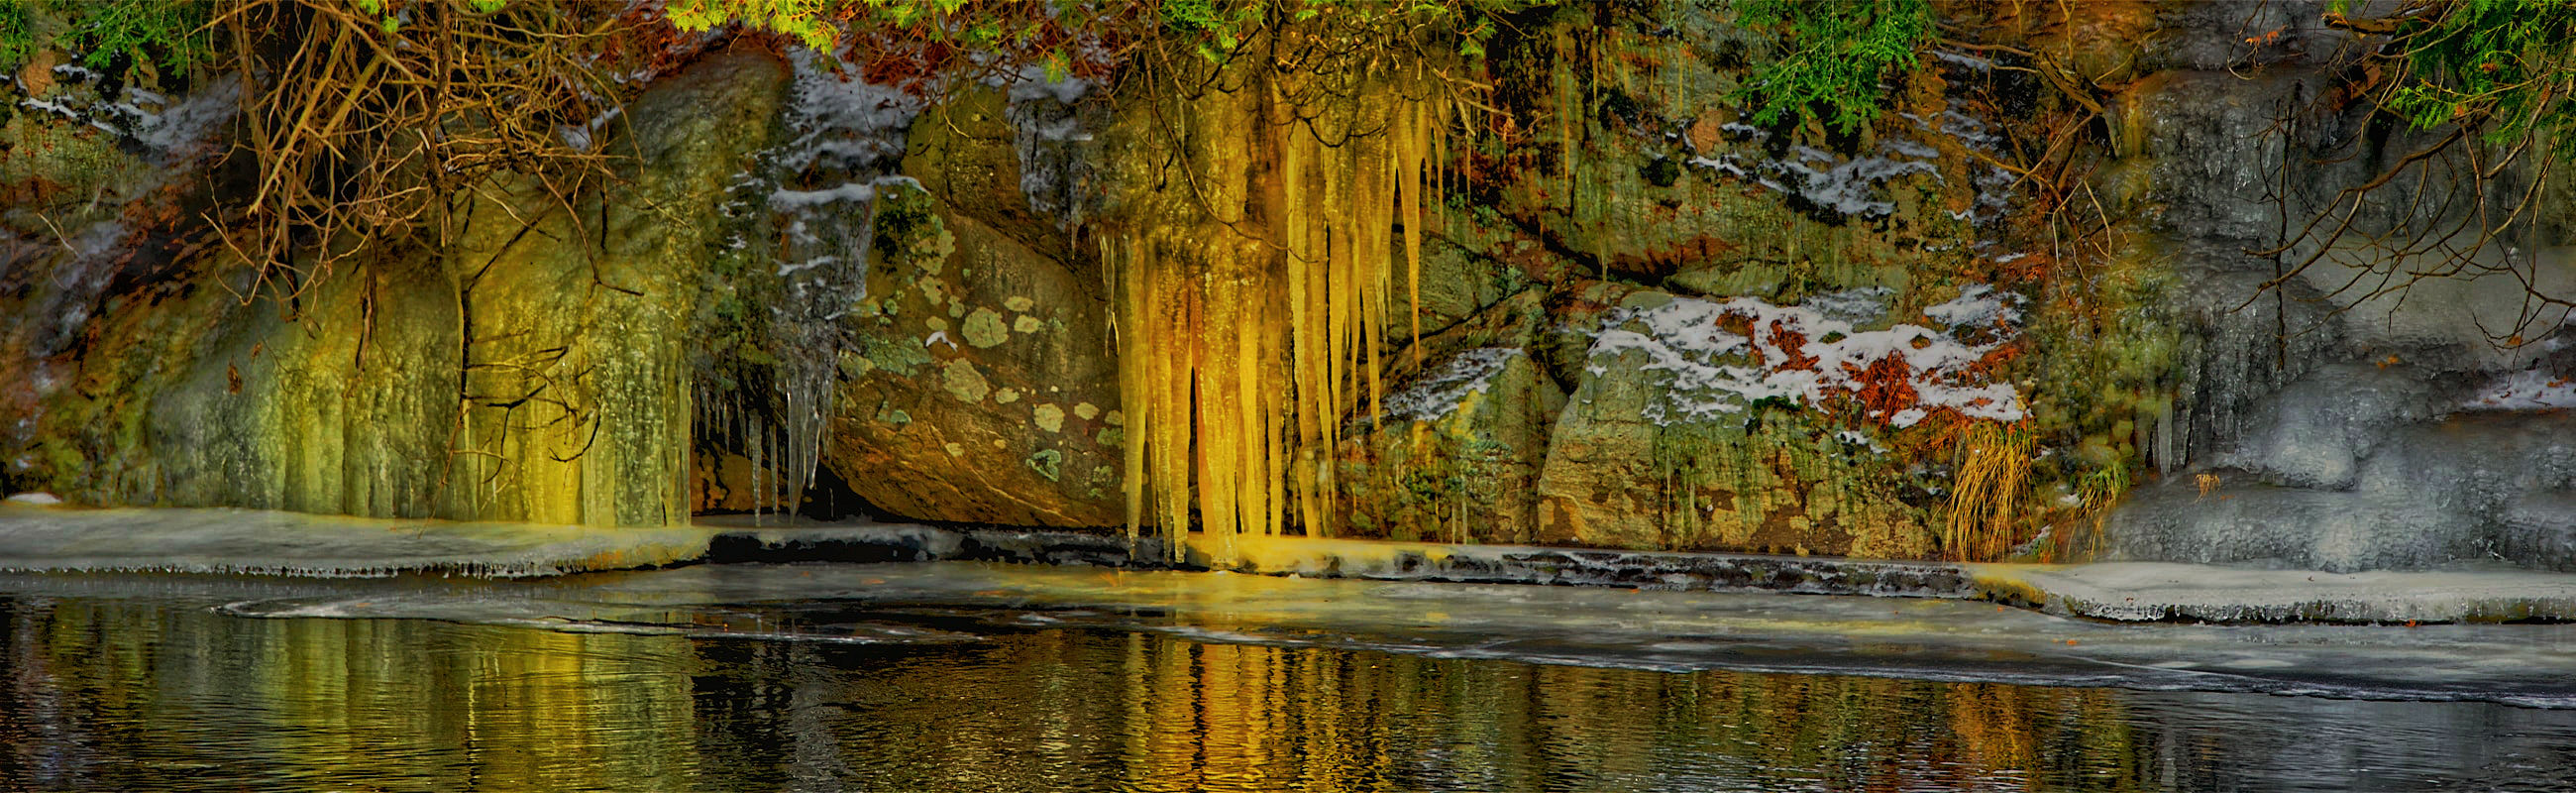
[847, 143]
[1050, 131]
[1977, 306]
[820, 188]
[1860, 306]
[1033, 84]
[1442, 389]
[1717, 357]
[1860, 439]
[171, 132]
[789, 200]
[2530, 389]
[842, 121]
[1845, 186]
[1851, 185]
[1964, 60]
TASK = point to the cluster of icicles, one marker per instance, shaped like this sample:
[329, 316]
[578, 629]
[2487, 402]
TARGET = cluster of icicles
[1254, 290]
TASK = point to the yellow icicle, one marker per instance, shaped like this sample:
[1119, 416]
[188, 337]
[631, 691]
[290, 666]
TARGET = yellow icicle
[1238, 356]
[1408, 174]
[1128, 282]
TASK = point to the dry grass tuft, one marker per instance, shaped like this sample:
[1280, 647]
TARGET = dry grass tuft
[1993, 465]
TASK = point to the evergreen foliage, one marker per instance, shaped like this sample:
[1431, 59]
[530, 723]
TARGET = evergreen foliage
[1834, 56]
[17, 39]
[2506, 66]
[154, 35]
[1066, 38]
[149, 35]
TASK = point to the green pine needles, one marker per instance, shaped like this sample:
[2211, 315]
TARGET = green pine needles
[1834, 56]
[159, 36]
[17, 36]
[2505, 66]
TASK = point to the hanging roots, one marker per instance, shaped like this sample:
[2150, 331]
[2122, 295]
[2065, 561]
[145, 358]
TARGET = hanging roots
[364, 127]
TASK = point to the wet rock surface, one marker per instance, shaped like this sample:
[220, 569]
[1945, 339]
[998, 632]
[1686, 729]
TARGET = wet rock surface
[980, 391]
[531, 371]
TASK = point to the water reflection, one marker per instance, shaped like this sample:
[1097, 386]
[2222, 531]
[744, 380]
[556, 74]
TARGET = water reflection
[135, 694]
[123, 695]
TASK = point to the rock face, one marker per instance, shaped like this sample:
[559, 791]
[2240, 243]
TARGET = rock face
[578, 321]
[2331, 424]
[534, 370]
[1459, 450]
[981, 391]
[1641, 321]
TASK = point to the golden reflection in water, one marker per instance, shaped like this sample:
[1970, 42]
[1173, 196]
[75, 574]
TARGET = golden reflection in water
[123, 695]
[386, 700]
[1204, 717]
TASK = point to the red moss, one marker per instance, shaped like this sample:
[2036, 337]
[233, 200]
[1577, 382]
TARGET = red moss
[1885, 388]
[1793, 348]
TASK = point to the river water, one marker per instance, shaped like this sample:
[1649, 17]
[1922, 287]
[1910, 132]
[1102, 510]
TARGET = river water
[955, 677]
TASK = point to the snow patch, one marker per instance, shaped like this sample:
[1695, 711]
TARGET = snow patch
[1970, 62]
[1860, 439]
[1033, 85]
[860, 192]
[1441, 390]
[188, 127]
[172, 132]
[1848, 187]
[1717, 357]
[2530, 389]
[580, 138]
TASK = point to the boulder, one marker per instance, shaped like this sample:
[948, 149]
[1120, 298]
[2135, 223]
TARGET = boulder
[981, 387]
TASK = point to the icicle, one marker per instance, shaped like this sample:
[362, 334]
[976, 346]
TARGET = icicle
[1126, 284]
[1239, 357]
[1409, 137]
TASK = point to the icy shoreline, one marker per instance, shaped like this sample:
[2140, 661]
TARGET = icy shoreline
[42, 539]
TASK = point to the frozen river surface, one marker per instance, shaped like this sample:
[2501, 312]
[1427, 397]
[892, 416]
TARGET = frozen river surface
[974, 677]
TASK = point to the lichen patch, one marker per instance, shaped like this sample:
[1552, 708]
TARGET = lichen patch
[984, 328]
[962, 381]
